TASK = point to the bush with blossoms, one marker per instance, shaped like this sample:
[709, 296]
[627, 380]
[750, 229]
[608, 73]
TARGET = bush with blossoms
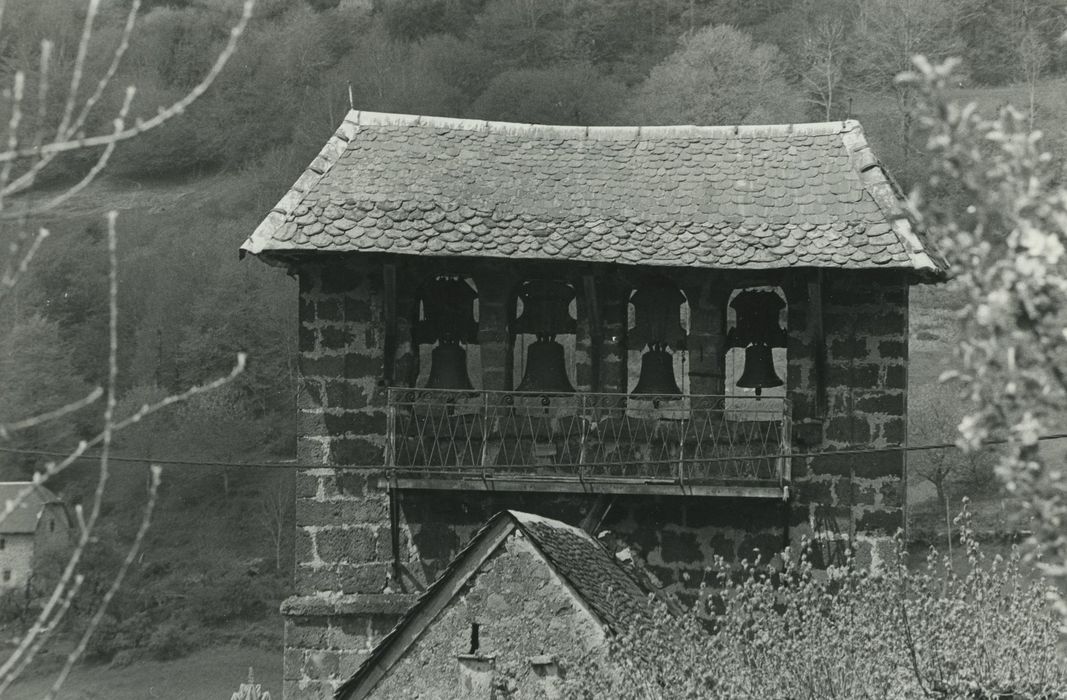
[981, 628]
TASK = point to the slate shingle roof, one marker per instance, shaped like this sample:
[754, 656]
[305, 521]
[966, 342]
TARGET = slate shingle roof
[23, 519]
[713, 197]
[613, 595]
[610, 591]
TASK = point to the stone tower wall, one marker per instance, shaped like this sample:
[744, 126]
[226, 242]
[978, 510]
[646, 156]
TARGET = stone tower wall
[349, 591]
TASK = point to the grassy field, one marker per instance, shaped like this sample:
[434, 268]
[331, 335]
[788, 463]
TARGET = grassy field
[934, 336]
[204, 675]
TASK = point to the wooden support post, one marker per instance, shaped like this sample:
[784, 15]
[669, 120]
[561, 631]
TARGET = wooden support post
[818, 340]
[394, 533]
[389, 313]
[707, 336]
[596, 329]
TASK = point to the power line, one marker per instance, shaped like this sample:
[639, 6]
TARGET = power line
[182, 462]
[294, 465]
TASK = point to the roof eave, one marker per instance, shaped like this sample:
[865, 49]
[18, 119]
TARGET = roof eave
[257, 243]
[889, 197]
[922, 267]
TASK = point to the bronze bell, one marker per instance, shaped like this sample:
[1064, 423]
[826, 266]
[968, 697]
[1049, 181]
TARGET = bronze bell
[546, 370]
[448, 368]
[759, 371]
[657, 374]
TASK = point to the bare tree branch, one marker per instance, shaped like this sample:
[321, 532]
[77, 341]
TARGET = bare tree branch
[22, 166]
[12, 275]
[27, 179]
[6, 429]
[41, 635]
[164, 115]
[116, 583]
[79, 67]
[89, 177]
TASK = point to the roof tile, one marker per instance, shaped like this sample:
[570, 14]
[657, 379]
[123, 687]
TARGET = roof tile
[764, 197]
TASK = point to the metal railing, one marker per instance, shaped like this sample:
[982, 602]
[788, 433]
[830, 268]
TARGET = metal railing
[505, 434]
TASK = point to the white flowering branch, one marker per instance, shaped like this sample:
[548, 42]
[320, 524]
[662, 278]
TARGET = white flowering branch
[21, 166]
[1004, 233]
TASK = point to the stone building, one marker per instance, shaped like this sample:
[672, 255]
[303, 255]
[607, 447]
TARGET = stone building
[525, 593]
[694, 337]
[35, 537]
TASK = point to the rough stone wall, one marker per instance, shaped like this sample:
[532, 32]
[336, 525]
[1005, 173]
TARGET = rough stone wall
[16, 557]
[342, 518]
[851, 499]
[523, 610]
[344, 548]
[328, 637]
[677, 537]
[342, 603]
[53, 536]
[52, 545]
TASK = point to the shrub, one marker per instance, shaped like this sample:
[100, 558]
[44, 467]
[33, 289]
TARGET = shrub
[112, 636]
[793, 631]
[236, 596]
[170, 641]
[18, 606]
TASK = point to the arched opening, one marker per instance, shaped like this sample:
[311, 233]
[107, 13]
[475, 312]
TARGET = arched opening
[658, 319]
[446, 334]
[544, 336]
[756, 358]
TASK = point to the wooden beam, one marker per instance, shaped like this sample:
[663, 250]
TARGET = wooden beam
[574, 485]
[596, 329]
[815, 323]
[389, 313]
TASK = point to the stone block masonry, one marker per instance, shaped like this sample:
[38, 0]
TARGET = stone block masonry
[342, 517]
[344, 601]
[346, 592]
[523, 611]
[851, 499]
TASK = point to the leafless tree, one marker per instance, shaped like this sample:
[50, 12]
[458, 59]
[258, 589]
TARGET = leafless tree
[825, 51]
[29, 146]
[888, 33]
[934, 415]
[1034, 58]
[275, 506]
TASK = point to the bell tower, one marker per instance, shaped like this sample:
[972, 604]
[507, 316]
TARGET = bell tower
[428, 403]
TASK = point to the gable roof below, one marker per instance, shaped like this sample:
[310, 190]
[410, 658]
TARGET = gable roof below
[23, 519]
[608, 590]
[725, 197]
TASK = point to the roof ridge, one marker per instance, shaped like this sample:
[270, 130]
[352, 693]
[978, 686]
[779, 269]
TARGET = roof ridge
[363, 118]
[470, 551]
[524, 519]
[527, 523]
[471, 557]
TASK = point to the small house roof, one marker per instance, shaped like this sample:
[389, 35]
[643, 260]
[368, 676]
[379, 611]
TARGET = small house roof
[726, 197]
[608, 590]
[23, 519]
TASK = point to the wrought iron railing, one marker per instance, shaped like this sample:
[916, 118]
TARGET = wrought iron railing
[500, 435]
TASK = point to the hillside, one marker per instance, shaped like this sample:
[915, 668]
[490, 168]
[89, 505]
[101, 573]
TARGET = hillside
[214, 568]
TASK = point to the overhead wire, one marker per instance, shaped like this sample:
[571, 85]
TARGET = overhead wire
[293, 464]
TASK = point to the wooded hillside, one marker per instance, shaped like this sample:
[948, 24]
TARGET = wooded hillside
[191, 191]
[187, 307]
